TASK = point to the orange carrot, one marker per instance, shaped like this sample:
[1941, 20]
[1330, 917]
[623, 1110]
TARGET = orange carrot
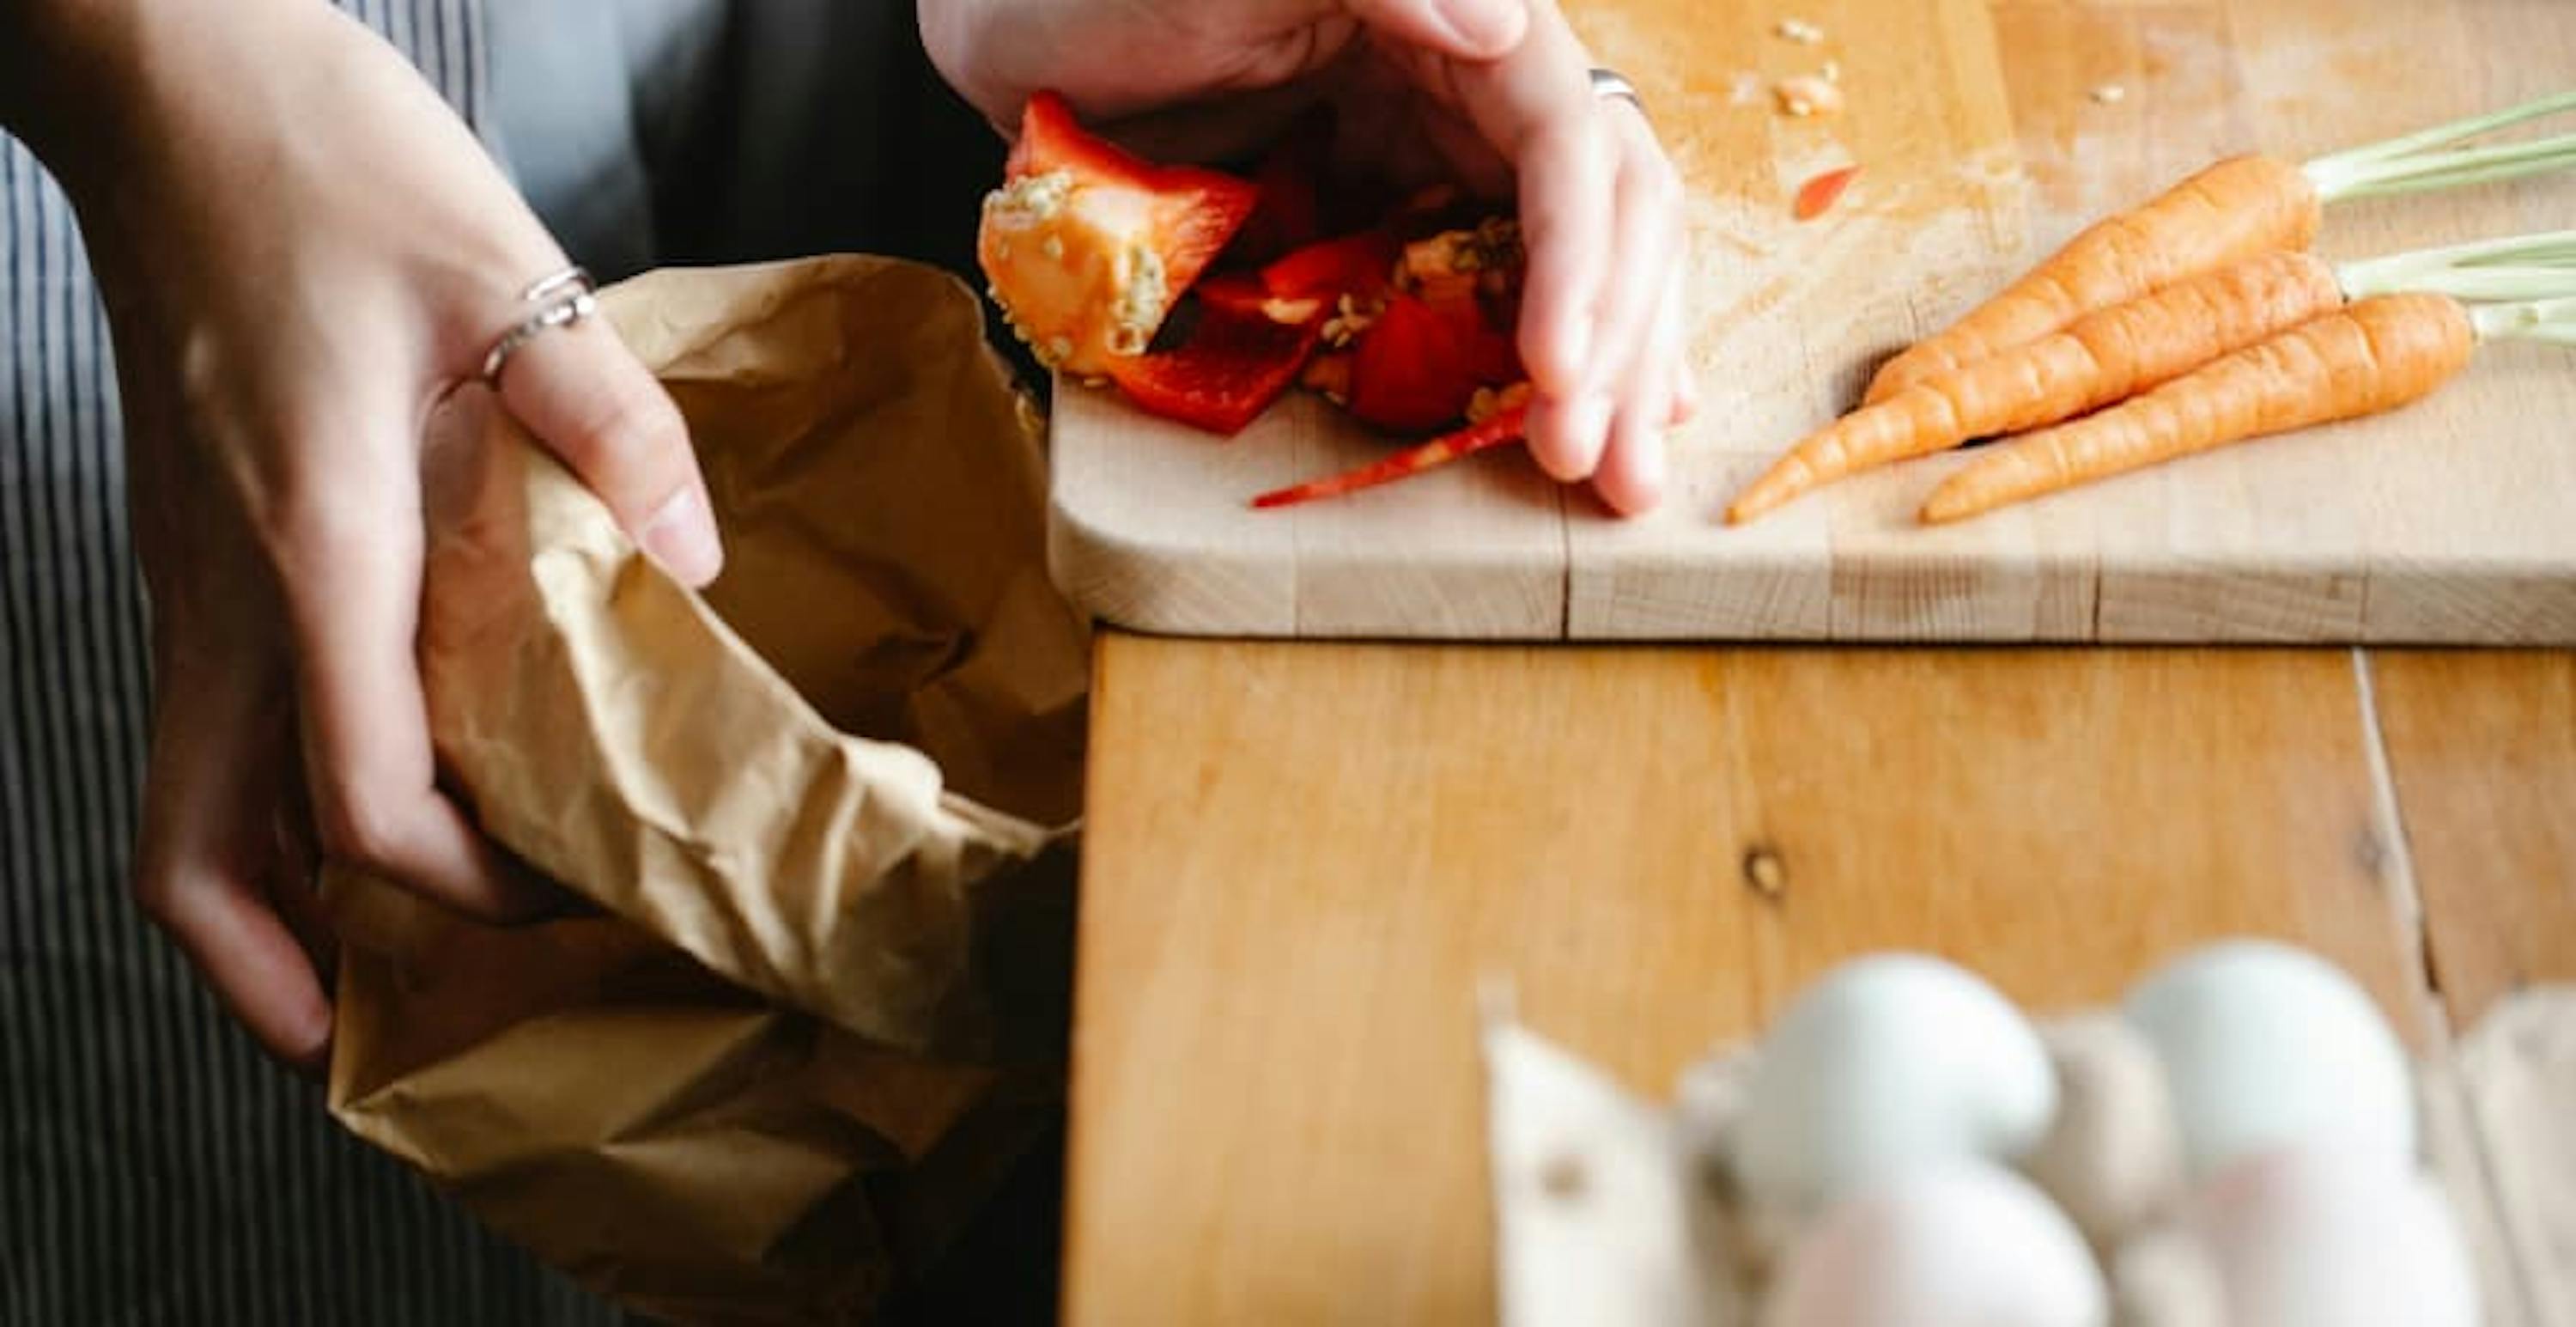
[2239, 207]
[1505, 425]
[1818, 195]
[2376, 355]
[2101, 357]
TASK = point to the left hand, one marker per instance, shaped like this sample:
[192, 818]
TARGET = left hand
[1495, 92]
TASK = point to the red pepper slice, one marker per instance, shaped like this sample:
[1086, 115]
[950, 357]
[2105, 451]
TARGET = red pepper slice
[1417, 364]
[1501, 427]
[1225, 372]
[1088, 248]
[1195, 210]
[1359, 265]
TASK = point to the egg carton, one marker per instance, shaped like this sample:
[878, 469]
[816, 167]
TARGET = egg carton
[1621, 1212]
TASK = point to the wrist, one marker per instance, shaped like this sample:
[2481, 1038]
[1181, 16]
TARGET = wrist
[83, 82]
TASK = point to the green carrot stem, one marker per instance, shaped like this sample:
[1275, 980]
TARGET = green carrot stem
[2444, 135]
[2548, 320]
[2453, 169]
[2518, 267]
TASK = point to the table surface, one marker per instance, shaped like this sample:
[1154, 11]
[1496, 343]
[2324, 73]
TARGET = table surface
[1302, 860]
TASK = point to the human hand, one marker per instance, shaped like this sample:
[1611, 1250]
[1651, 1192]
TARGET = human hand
[1494, 92]
[302, 251]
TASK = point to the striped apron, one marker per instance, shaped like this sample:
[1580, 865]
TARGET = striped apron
[154, 1168]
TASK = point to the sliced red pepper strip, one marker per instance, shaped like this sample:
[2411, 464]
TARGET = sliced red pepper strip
[1358, 265]
[1501, 427]
[1819, 194]
[1228, 370]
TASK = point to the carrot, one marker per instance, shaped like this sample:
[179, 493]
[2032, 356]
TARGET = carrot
[1505, 425]
[2113, 353]
[1817, 195]
[2100, 358]
[2376, 355]
[2238, 207]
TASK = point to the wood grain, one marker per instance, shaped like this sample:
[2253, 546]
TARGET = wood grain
[1981, 147]
[2482, 753]
[1302, 861]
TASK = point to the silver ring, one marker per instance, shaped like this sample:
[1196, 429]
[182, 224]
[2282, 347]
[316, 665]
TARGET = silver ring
[1610, 83]
[564, 298]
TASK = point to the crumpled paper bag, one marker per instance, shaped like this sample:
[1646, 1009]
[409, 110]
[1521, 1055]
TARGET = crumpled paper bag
[824, 812]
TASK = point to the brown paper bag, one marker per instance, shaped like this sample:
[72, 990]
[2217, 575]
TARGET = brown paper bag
[824, 811]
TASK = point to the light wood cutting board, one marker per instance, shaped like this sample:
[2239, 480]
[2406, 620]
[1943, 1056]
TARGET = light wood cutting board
[1982, 144]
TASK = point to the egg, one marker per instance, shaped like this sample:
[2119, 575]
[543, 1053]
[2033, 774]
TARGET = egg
[2326, 1235]
[2264, 1044]
[2112, 1158]
[1884, 1065]
[1966, 1244]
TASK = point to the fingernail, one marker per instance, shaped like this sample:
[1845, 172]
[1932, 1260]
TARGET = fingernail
[1487, 28]
[682, 537]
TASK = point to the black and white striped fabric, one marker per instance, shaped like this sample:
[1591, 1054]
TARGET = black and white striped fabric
[153, 1167]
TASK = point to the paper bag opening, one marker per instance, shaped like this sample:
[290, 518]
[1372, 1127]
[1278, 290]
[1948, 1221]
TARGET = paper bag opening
[825, 808]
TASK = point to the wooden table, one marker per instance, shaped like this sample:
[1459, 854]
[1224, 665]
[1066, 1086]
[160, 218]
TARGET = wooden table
[1302, 860]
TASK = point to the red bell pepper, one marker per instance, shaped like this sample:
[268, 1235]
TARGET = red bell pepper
[1360, 265]
[1416, 366]
[1087, 247]
[1506, 425]
[1225, 371]
[1193, 211]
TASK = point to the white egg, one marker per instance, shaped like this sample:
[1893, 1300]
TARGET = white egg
[2263, 1045]
[2331, 1236]
[1960, 1245]
[1884, 1065]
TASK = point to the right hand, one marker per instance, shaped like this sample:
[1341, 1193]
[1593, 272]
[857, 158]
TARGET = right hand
[302, 250]
[1499, 93]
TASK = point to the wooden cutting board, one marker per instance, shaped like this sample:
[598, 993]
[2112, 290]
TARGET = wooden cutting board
[1984, 140]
